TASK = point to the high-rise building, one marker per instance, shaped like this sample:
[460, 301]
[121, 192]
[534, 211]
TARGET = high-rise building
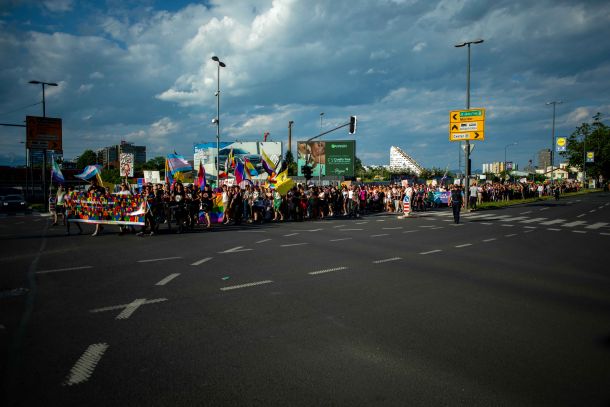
[544, 158]
[399, 160]
[109, 156]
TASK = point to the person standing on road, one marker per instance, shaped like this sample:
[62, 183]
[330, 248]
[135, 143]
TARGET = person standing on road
[456, 201]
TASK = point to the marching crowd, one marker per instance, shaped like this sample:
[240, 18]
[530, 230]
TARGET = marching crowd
[183, 207]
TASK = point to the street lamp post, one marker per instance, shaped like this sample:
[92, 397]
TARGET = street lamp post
[320, 164]
[44, 109]
[554, 103]
[217, 119]
[505, 148]
[467, 142]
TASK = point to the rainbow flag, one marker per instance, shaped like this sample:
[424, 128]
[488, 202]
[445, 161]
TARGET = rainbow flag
[201, 177]
[239, 173]
[217, 213]
[250, 167]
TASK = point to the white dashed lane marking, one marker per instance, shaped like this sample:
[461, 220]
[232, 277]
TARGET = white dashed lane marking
[235, 287]
[263, 241]
[464, 245]
[168, 279]
[64, 269]
[489, 240]
[386, 260]
[338, 240]
[161, 259]
[85, 365]
[381, 234]
[431, 251]
[313, 273]
[293, 244]
[128, 309]
[291, 234]
[199, 262]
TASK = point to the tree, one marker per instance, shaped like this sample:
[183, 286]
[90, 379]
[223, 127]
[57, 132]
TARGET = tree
[359, 171]
[154, 164]
[88, 157]
[590, 137]
[291, 164]
[111, 175]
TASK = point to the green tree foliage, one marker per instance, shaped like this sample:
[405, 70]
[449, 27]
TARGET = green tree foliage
[154, 164]
[590, 137]
[291, 164]
[88, 157]
[111, 175]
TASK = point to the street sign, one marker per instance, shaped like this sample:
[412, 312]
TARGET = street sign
[467, 125]
[561, 143]
[471, 146]
[43, 133]
[590, 156]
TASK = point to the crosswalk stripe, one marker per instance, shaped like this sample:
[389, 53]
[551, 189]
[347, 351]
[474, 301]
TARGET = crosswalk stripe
[552, 222]
[596, 225]
[514, 219]
[533, 220]
[575, 223]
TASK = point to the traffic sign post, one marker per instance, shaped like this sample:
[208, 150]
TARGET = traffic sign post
[467, 125]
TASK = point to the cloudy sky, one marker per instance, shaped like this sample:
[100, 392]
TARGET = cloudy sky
[141, 70]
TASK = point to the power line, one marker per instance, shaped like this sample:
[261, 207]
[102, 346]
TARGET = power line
[20, 108]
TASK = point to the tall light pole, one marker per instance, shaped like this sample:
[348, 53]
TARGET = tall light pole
[217, 119]
[44, 109]
[467, 142]
[320, 164]
[554, 103]
[505, 148]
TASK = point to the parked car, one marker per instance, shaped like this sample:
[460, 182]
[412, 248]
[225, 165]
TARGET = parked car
[10, 203]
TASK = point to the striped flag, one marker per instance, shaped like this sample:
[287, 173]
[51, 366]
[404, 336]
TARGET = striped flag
[56, 174]
[177, 163]
[201, 176]
[89, 172]
[250, 167]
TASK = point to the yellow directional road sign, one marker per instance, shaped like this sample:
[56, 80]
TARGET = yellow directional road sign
[467, 125]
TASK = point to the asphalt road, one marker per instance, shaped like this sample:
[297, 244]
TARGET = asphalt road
[509, 308]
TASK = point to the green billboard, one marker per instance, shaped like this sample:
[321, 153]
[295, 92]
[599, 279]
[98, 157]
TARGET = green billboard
[334, 158]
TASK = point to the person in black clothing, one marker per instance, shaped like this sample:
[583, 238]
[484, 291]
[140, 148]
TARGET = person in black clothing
[456, 202]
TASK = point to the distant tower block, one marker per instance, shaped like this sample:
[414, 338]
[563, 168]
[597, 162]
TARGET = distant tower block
[399, 160]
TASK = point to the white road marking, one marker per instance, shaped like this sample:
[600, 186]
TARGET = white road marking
[427, 226]
[486, 223]
[380, 220]
[64, 269]
[533, 220]
[339, 226]
[199, 262]
[525, 213]
[338, 240]
[485, 215]
[252, 231]
[529, 227]
[575, 223]
[529, 231]
[349, 230]
[511, 235]
[386, 260]
[581, 215]
[311, 230]
[381, 234]
[291, 234]
[235, 287]
[464, 245]
[396, 228]
[514, 218]
[552, 222]
[235, 250]
[409, 231]
[544, 209]
[168, 279]
[605, 234]
[489, 240]
[313, 273]
[508, 226]
[431, 251]
[85, 365]
[600, 207]
[596, 225]
[293, 244]
[263, 241]
[362, 223]
[554, 230]
[131, 308]
[115, 307]
[579, 231]
[161, 259]
[592, 210]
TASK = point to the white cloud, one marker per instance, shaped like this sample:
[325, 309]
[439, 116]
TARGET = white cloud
[419, 47]
[58, 5]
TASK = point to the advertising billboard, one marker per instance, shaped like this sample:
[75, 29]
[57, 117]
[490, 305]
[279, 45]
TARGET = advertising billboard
[251, 150]
[43, 133]
[327, 157]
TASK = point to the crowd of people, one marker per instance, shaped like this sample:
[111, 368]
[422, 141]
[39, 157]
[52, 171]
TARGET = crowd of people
[182, 207]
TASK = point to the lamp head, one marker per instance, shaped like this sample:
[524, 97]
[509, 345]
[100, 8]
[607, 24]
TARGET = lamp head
[215, 58]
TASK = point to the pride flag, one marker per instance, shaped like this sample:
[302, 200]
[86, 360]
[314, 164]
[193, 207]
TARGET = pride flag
[201, 176]
[250, 167]
[177, 163]
[89, 172]
[217, 213]
[239, 173]
[56, 174]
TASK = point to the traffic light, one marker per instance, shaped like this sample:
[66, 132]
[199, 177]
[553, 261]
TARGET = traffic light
[307, 170]
[352, 124]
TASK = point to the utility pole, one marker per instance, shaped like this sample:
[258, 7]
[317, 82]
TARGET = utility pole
[554, 103]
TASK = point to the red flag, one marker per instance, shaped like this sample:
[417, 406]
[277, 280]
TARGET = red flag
[266, 135]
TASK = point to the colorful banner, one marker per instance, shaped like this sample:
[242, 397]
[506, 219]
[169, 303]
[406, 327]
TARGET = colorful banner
[441, 197]
[217, 213]
[93, 207]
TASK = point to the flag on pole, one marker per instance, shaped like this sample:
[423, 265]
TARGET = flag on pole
[177, 163]
[239, 173]
[250, 169]
[268, 163]
[89, 172]
[56, 174]
[201, 176]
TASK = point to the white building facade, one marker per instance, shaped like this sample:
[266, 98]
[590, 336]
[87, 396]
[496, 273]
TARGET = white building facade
[399, 160]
